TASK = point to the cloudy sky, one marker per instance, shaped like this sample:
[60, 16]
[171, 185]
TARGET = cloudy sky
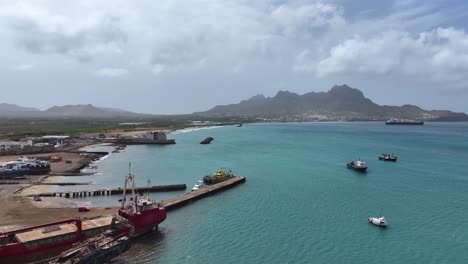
[181, 56]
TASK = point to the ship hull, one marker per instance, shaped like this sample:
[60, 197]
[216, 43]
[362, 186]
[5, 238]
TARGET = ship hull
[22, 252]
[405, 123]
[145, 221]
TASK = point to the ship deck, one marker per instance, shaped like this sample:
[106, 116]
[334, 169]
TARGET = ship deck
[43, 233]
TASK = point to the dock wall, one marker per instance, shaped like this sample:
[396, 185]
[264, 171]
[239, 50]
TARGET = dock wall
[105, 192]
[186, 198]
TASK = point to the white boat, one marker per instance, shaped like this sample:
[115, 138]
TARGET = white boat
[198, 185]
[378, 221]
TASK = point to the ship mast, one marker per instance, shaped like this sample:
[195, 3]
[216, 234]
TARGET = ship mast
[129, 179]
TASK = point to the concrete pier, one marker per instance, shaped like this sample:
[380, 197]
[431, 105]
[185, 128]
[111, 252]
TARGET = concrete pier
[183, 199]
[104, 192]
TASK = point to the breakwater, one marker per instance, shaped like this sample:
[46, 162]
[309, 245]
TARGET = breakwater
[115, 191]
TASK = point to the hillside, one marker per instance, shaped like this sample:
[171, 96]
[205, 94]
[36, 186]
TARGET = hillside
[339, 103]
[81, 111]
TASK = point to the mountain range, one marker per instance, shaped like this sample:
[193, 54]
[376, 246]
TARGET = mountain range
[85, 110]
[339, 103]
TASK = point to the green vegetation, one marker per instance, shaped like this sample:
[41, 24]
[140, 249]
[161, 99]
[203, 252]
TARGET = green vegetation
[16, 128]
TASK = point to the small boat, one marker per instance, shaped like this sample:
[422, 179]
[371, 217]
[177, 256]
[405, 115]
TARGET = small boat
[199, 185]
[358, 165]
[394, 121]
[388, 157]
[378, 221]
[239, 125]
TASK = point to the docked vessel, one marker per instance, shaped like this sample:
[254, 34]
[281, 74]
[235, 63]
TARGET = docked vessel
[143, 214]
[378, 221]
[403, 122]
[218, 176]
[358, 165]
[43, 241]
[199, 185]
[388, 157]
[98, 249]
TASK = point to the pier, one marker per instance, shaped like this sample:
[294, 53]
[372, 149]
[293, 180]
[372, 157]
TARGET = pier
[183, 199]
[105, 192]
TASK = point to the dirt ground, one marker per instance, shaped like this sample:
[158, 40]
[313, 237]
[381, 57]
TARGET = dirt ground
[18, 211]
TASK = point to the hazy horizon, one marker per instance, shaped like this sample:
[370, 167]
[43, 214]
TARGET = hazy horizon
[180, 57]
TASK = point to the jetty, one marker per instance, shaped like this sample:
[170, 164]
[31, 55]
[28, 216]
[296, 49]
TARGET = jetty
[184, 199]
[105, 192]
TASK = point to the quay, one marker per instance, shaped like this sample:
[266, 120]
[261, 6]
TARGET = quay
[105, 192]
[183, 199]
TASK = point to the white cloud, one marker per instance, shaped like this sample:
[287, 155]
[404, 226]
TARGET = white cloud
[238, 36]
[111, 72]
[40, 30]
[440, 54]
[300, 19]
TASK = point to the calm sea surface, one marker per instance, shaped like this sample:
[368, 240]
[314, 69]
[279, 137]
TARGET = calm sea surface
[300, 203]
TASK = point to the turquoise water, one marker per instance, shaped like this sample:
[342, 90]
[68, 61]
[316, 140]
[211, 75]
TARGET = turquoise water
[300, 203]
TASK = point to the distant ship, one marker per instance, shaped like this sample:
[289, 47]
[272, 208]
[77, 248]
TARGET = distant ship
[403, 122]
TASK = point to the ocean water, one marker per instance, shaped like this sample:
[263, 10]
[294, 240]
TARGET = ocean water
[300, 203]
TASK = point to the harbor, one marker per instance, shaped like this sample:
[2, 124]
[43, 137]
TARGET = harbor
[42, 240]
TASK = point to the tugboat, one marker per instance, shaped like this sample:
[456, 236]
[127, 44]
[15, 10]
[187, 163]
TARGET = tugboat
[358, 165]
[388, 157]
[378, 221]
[143, 214]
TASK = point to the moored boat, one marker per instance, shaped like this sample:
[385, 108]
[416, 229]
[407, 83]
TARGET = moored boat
[199, 185]
[143, 214]
[358, 165]
[378, 221]
[403, 122]
[388, 157]
[44, 241]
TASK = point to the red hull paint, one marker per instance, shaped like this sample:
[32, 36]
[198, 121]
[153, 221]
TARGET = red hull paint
[145, 221]
[17, 252]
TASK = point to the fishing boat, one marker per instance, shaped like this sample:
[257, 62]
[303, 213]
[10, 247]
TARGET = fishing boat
[378, 221]
[358, 165]
[388, 157]
[144, 214]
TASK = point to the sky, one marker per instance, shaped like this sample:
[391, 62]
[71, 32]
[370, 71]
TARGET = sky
[182, 56]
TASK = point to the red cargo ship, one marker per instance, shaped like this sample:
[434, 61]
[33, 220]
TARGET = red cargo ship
[143, 214]
[44, 241]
